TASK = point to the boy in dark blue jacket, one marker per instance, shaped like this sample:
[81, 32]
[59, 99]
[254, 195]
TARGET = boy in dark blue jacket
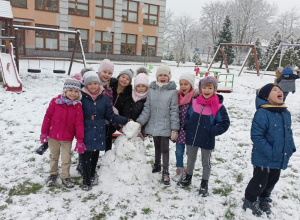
[207, 117]
[273, 146]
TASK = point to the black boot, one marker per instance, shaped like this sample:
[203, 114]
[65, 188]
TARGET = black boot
[203, 191]
[166, 177]
[79, 166]
[186, 181]
[156, 168]
[265, 205]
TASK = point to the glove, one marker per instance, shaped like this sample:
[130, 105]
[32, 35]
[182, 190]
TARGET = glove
[174, 135]
[80, 147]
[43, 138]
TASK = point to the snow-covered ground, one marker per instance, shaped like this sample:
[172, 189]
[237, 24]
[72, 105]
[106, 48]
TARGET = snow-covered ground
[134, 193]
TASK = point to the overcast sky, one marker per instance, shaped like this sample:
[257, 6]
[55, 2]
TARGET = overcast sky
[192, 7]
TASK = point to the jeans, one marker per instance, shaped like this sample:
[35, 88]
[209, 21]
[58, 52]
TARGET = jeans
[179, 154]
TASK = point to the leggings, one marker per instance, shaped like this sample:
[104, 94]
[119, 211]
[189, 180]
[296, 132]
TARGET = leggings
[161, 145]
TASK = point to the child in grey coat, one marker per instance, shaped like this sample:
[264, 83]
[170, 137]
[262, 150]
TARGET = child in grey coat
[162, 114]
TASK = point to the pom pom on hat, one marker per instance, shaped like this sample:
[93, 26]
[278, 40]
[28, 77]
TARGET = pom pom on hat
[189, 77]
[127, 72]
[208, 79]
[86, 69]
[78, 76]
[141, 78]
[106, 64]
[263, 92]
[164, 70]
[90, 76]
[142, 69]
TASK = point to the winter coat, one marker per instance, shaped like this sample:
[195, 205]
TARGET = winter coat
[133, 109]
[62, 122]
[287, 82]
[272, 137]
[95, 112]
[183, 110]
[120, 99]
[161, 110]
[201, 127]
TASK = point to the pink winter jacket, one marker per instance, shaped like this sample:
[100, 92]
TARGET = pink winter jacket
[62, 122]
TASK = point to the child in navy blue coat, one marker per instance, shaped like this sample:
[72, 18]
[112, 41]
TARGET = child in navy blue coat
[96, 108]
[273, 146]
[207, 117]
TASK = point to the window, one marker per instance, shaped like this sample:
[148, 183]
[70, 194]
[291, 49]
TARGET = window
[149, 46]
[79, 7]
[46, 5]
[20, 37]
[46, 40]
[84, 34]
[104, 42]
[105, 9]
[130, 11]
[128, 44]
[150, 14]
[19, 3]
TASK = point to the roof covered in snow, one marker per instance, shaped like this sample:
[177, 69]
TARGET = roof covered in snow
[5, 10]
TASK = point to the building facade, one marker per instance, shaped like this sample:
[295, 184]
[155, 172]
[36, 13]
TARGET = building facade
[114, 29]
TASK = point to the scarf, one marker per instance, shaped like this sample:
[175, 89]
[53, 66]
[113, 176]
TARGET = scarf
[138, 96]
[161, 84]
[212, 101]
[274, 108]
[63, 100]
[103, 83]
[94, 95]
[182, 100]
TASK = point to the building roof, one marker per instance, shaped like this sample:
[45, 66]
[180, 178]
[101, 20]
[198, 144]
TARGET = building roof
[5, 10]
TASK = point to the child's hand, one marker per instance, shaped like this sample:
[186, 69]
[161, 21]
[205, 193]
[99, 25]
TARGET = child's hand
[43, 138]
[174, 135]
[80, 147]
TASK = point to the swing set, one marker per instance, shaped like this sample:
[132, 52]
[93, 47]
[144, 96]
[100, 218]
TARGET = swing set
[280, 46]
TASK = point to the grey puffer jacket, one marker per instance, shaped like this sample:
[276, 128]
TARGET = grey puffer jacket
[161, 110]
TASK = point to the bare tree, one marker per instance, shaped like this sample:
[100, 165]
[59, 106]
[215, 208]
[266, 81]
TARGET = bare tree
[288, 22]
[182, 34]
[168, 25]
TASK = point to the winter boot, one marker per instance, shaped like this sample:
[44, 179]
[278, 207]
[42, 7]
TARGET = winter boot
[156, 168]
[79, 167]
[203, 191]
[51, 180]
[186, 181]
[180, 173]
[86, 188]
[67, 183]
[265, 205]
[94, 179]
[254, 206]
[166, 177]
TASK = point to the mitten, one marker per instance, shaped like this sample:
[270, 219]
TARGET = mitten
[43, 138]
[174, 135]
[80, 147]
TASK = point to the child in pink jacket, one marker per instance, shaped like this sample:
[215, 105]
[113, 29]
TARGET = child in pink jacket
[63, 120]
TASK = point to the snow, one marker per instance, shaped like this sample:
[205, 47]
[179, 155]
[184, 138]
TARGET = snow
[127, 188]
[10, 75]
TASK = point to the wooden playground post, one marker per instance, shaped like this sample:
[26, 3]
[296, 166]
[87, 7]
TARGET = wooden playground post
[224, 59]
[73, 53]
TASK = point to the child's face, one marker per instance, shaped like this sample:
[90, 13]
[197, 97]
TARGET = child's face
[124, 80]
[275, 96]
[72, 94]
[105, 75]
[163, 79]
[185, 86]
[208, 90]
[140, 88]
[93, 87]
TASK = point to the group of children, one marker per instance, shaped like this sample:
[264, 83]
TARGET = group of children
[93, 113]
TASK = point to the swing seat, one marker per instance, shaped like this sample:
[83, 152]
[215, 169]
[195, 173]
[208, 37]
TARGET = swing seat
[34, 70]
[59, 71]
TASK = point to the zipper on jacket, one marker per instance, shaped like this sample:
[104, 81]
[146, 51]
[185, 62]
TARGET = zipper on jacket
[157, 110]
[198, 124]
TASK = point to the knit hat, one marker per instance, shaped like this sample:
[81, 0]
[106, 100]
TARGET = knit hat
[208, 79]
[164, 70]
[288, 70]
[141, 78]
[127, 72]
[106, 64]
[72, 84]
[263, 92]
[189, 77]
[90, 76]
[86, 69]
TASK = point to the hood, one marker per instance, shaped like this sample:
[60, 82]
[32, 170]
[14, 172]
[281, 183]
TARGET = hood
[221, 99]
[169, 86]
[259, 102]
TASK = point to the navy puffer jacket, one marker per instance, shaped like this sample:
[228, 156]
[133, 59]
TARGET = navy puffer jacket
[272, 137]
[94, 113]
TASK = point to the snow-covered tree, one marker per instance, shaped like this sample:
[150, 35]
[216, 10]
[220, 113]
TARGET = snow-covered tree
[196, 59]
[225, 36]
